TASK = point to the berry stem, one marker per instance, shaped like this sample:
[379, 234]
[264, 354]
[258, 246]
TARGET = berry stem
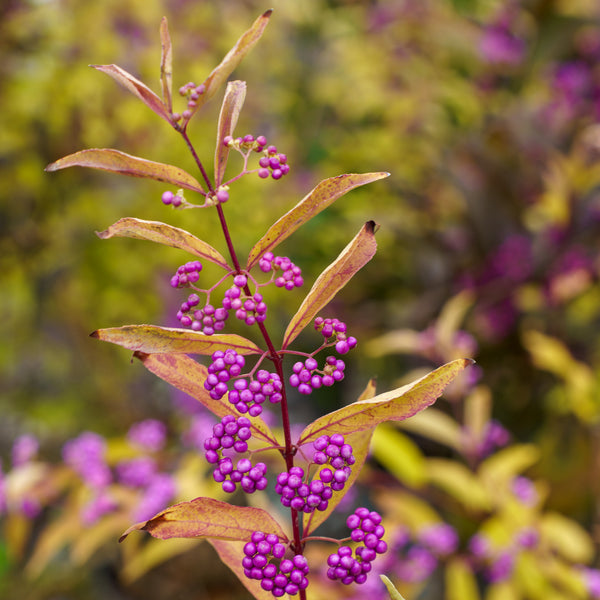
[274, 356]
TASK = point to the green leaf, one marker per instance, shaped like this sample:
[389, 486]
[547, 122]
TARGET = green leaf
[459, 482]
[187, 375]
[153, 339]
[232, 553]
[399, 455]
[437, 426]
[233, 101]
[115, 161]
[393, 592]
[566, 537]
[210, 518]
[233, 58]
[395, 405]
[325, 194]
[360, 442]
[137, 88]
[501, 468]
[161, 233]
[352, 258]
[461, 583]
[166, 65]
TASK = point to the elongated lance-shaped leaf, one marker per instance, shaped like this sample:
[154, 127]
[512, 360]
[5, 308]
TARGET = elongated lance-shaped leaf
[153, 339]
[233, 58]
[232, 554]
[322, 196]
[166, 65]
[352, 258]
[360, 442]
[137, 88]
[189, 376]
[161, 233]
[209, 518]
[233, 101]
[395, 405]
[392, 591]
[119, 162]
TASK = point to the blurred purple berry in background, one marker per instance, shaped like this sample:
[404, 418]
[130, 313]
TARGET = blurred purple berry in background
[149, 435]
[24, 449]
[86, 455]
[440, 538]
[157, 496]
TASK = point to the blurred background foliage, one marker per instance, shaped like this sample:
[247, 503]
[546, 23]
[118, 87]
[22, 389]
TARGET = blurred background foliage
[484, 112]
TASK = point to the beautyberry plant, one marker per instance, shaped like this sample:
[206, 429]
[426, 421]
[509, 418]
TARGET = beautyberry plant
[244, 376]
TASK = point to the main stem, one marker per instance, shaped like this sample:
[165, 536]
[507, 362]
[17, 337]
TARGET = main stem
[273, 355]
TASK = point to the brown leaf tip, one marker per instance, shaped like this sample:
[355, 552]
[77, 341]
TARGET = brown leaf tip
[95, 334]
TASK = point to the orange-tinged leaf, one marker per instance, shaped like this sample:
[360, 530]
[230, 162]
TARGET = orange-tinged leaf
[360, 442]
[116, 161]
[233, 101]
[155, 231]
[352, 258]
[395, 405]
[209, 518]
[153, 339]
[166, 65]
[322, 196]
[232, 553]
[233, 58]
[137, 88]
[187, 375]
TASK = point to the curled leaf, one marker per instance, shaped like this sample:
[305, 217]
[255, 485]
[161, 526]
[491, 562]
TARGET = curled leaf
[116, 161]
[352, 258]
[187, 375]
[233, 101]
[166, 65]
[395, 405]
[137, 88]
[322, 196]
[153, 339]
[233, 58]
[207, 517]
[155, 231]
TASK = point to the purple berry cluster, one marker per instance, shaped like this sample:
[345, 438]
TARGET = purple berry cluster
[291, 275]
[350, 566]
[186, 274]
[249, 396]
[287, 577]
[192, 92]
[337, 328]
[307, 378]
[250, 309]
[234, 433]
[224, 366]
[273, 164]
[308, 497]
[207, 319]
[169, 198]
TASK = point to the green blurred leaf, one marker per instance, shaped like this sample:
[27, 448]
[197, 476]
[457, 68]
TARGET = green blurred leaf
[437, 426]
[152, 339]
[395, 405]
[393, 592]
[461, 583]
[137, 88]
[352, 258]
[119, 162]
[399, 455]
[322, 196]
[162, 233]
[207, 517]
[567, 538]
[187, 375]
[166, 65]
[459, 482]
[233, 101]
[501, 468]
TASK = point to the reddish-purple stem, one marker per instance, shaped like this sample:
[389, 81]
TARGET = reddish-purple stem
[273, 355]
